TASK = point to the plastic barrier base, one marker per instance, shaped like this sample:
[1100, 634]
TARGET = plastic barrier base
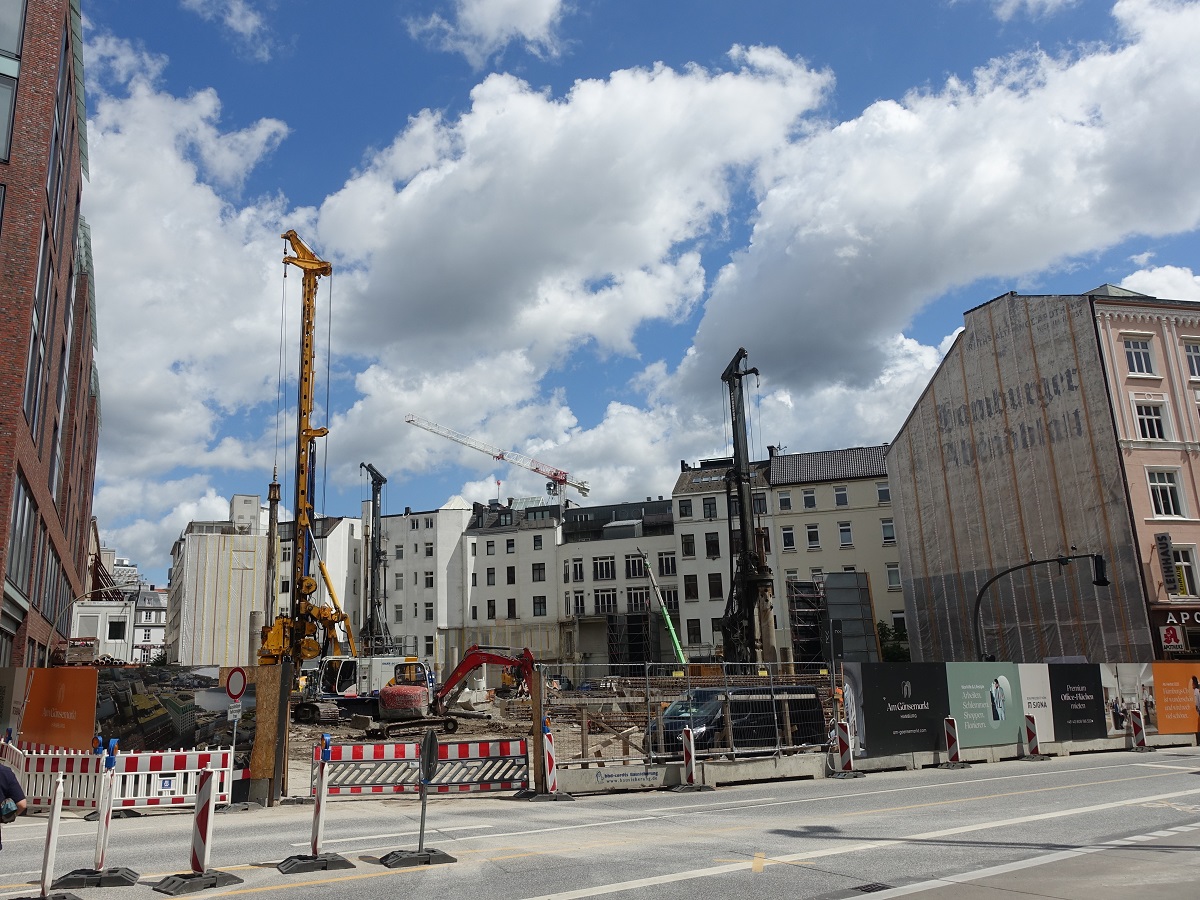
[119, 876]
[530, 794]
[1035, 756]
[851, 774]
[955, 765]
[190, 882]
[49, 897]
[319, 863]
[404, 858]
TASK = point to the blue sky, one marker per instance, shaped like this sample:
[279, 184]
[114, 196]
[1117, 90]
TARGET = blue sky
[552, 224]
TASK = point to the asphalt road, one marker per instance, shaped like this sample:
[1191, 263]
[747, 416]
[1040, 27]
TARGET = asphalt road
[1090, 827]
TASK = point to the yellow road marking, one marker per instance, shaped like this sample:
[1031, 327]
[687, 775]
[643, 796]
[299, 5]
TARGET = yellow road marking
[757, 865]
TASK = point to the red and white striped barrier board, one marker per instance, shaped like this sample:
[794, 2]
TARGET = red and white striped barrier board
[954, 758]
[689, 757]
[1031, 736]
[363, 769]
[952, 754]
[551, 765]
[845, 752]
[1139, 729]
[170, 779]
[147, 779]
[80, 774]
[318, 826]
[56, 797]
[202, 823]
[107, 786]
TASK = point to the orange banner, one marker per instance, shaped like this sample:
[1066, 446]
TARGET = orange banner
[1177, 697]
[60, 708]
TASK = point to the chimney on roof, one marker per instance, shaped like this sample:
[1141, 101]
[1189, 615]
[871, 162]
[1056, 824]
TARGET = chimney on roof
[510, 502]
[408, 511]
[771, 451]
[683, 466]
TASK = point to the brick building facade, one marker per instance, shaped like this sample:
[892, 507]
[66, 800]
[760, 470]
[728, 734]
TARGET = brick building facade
[49, 399]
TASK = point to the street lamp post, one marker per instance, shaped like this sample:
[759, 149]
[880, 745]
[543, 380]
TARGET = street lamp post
[1099, 578]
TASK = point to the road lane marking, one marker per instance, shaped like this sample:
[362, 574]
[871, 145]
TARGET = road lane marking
[377, 837]
[703, 805]
[757, 865]
[688, 875]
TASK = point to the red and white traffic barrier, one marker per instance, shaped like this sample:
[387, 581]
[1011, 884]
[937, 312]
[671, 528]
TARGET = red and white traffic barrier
[954, 758]
[52, 837]
[845, 751]
[551, 765]
[202, 823]
[317, 861]
[1139, 730]
[318, 826]
[689, 757]
[201, 876]
[104, 819]
[1034, 750]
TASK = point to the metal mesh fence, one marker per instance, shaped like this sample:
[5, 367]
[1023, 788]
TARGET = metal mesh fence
[599, 718]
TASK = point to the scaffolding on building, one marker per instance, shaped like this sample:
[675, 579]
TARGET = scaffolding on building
[806, 620]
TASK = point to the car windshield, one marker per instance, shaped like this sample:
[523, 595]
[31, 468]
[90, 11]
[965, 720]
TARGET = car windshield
[690, 707]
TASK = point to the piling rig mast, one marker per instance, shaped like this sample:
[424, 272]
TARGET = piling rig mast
[310, 629]
[375, 636]
[747, 628]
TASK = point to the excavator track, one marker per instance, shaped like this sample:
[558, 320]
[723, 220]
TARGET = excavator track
[317, 712]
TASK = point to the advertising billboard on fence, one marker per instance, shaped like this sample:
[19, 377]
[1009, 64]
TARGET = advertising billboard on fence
[1177, 697]
[903, 706]
[1127, 685]
[60, 708]
[985, 700]
[1079, 710]
[1037, 699]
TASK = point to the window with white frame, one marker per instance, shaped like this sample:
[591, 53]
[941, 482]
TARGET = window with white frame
[817, 574]
[845, 534]
[883, 491]
[1185, 564]
[785, 501]
[814, 535]
[397, 613]
[1137, 356]
[810, 498]
[428, 579]
[666, 563]
[635, 565]
[638, 599]
[893, 576]
[539, 605]
[841, 496]
[1191, 350]
[399, 581]
[604, 568]
[888, 527]
[1150, 421]
[605, 600]
[1164, 491]
[789, 537]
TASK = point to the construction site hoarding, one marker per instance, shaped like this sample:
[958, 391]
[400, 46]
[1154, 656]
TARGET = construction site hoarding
[1010, 456]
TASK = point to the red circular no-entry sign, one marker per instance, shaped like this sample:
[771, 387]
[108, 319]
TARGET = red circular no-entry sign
[235, 684]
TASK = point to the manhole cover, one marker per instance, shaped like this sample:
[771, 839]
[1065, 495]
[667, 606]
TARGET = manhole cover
[872, 888]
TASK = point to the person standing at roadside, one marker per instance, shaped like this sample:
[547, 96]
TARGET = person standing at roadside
[10, 789]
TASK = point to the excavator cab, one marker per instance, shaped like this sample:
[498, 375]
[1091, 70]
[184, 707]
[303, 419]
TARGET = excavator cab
[411, 673]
